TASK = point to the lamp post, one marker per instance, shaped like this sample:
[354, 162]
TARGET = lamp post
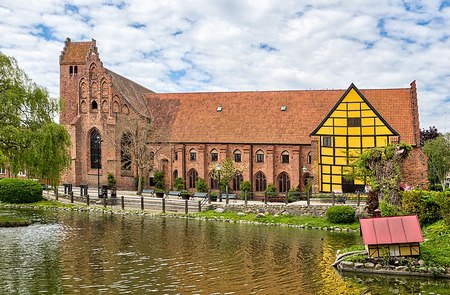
[218, 167]
[99, 141]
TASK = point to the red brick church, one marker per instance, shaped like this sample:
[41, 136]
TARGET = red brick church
[279, 137]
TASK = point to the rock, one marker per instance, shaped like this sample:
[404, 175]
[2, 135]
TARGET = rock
[378, 266]
[219, 210]
[260, 215]
[423, 269]
[240, 214]
[369, 265]
[347, 264]
[276, 215]
[401, 268]
[359, 265]
[421, 262]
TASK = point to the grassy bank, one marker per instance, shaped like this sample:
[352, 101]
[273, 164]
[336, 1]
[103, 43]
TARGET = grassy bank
[44, 203]
[10, 221]
[319, 222]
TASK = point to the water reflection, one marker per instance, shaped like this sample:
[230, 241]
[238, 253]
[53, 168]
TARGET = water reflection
[71, 252]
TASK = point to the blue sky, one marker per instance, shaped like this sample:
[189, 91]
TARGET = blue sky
[201, 45]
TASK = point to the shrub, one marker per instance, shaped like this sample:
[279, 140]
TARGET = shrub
[271, 190]
[13, 190]
[341, 214]
[388, 209]
[111, 180]
[245, 187]
[200, 185]
[443, 200]
[293, 194]
[158, 178]
[424, 204]
[179, 184]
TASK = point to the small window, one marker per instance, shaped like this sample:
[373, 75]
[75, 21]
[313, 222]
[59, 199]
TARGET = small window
[260, 156]
[237, 156]
[94, 105]
[214, 156]
[285, 157]
[354, 122]
[193, 155]
[283, 108]
[71, 70]
[22, 173]
[75, 70]
[219, 109]
[309, 158]
[327, 141]
[2, 170]
[175, 155]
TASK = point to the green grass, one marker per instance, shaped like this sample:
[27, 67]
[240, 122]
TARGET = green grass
[281, 219]
[6, 221]
[44, 203]
[436, 248]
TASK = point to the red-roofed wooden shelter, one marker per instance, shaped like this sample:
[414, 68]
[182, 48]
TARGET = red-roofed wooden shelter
[391, 236]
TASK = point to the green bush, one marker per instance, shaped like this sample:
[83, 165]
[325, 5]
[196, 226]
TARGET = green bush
[13, 190]
[423, 203]
[111, 180]
[200, 185]
[271, 190]
[179, 184]
[389, 209]
[341, 214]
[293, 194]
[443, 200]
[158, 178]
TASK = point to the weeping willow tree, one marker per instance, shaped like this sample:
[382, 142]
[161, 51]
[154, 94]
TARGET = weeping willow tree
[30, 140]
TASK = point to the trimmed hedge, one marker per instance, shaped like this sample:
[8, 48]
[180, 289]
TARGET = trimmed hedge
[13, 190]
[341, 214]
[426, 204]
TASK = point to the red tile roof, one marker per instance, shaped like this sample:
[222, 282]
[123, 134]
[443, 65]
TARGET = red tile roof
[255, 116]
[391, 230]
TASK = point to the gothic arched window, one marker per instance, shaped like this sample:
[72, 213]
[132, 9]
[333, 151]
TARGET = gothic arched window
[96, 149]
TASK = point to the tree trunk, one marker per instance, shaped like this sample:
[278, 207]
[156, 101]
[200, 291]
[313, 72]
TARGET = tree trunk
[139, 176]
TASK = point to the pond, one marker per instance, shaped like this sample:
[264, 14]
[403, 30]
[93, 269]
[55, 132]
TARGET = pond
[66, 252]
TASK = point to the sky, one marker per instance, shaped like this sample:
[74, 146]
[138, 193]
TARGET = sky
[237, 45]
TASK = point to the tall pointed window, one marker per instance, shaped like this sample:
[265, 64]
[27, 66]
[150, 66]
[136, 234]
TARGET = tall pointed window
[96, 150]
[214, 156]
[284, 182]
[237, 179]
[260, 182]
[285, 157]
[237, 156]
[192, 177]
[125, 152]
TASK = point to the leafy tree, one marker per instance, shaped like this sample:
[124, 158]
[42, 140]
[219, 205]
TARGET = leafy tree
[30, 140]
[426, 135]
[438, 152]
[227, 171]
[381, 168]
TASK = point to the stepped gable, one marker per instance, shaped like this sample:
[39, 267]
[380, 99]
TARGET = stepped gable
[76, 52]
[256, 116]
[131, 91]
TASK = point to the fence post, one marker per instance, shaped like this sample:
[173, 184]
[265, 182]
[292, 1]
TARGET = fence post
[334, 197]
[265, 198]
[87, 200]
[199, 206]
[245, 197]
[56, 194]
[186, 207]
[142, 203]
[358, 198]
[122, 200]
[287, 198]
[104, 201]
[308, 198]
[71, 197]
[164, 205]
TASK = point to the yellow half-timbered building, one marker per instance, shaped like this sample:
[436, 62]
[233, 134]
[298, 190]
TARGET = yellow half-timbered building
[351, 127]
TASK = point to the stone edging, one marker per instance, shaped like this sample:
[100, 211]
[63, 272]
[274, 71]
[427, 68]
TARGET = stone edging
[359, 267]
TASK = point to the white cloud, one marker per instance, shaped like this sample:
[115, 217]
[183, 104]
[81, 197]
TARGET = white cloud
[244, 45]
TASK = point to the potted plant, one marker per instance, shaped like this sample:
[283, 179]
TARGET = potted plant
[158, 177]
[213, 196]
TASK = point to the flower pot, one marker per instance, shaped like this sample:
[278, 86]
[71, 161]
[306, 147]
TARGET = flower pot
[159, 194]
[185, 196]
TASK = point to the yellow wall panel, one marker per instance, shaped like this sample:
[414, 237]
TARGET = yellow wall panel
[340, 130]
[368, 130]
[326, 187]
[364, 106]
[327, 160]
[354, 131]
[340, 141]
[378, 122]
[382, 130]
[367, 122]
[368, 113]
[354, 106]
[325, 131]
[342, 107]
[340, 152]
[381, 141]
[341, 114]
[340, 122]
[336, 178]
[326, 151]
[352, 96]
[354, 142]
[328, 122]
[341, 161]
[336, 169]
[337, 188]
[326, 178]
[358, 181]
[368, 142]
[354, 114]
[326, 169]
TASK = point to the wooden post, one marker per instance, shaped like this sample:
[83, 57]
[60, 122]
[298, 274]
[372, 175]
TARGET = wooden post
[334, 197]
[286, 200]
[245, 198]
[71, 197]
[358, 198]
[265, 198]
[104, 201]
[142, 202]
[87, 200]
[308, 199]
[226, 195]
[199, 206]
[164, 205]
[122, 200]
[186, 207]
